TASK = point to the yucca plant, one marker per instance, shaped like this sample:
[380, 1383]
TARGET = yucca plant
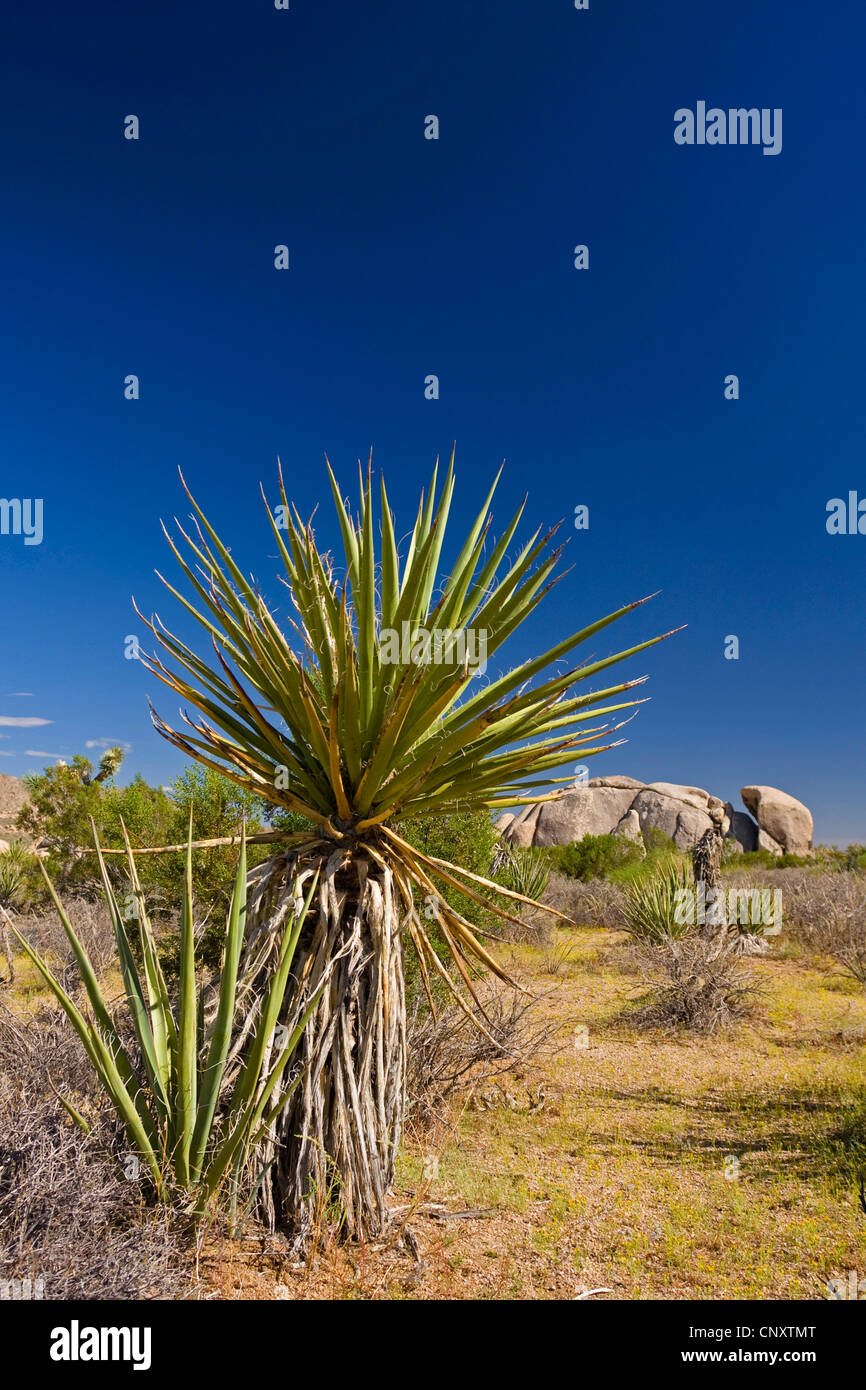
[368, 714]
[16, 868]
[188, 1130]
[526, 870]
[16, 864]
[652, 907]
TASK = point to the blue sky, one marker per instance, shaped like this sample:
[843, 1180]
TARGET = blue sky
[409, 257]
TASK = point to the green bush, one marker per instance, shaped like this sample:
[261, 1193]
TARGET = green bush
[62, 801]
[848, 860]
[606, 856]
[595, 856]
[660, 854]
[64, 798]
[754, 859]
[766, 859]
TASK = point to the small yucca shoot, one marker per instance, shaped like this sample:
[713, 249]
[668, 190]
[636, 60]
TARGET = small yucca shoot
[187, 1119]
[15, 864]
[651, 906]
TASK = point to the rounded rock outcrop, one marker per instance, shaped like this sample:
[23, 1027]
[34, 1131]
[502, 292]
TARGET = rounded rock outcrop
[620, 805]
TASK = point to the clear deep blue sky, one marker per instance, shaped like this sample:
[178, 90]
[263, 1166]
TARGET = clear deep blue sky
[411, 257]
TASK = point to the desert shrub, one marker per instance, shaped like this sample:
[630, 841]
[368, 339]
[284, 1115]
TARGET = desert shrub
[831, 915]
[449, 1053]
[596, 904]
[847, 860]
[44, 931]
[467, 838]
[659, 853]
[822, 909]
[614, 857]
[68, 1214]
[790, 880]
[765, 859]
[698, 983]
[755, 859]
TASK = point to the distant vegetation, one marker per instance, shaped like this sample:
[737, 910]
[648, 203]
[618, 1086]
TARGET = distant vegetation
[613, 857]
[619, 860]
[64, 798]
[825, 857]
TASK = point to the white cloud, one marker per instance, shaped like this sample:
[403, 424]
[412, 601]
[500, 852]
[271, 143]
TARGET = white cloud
[28, 721]
[18, 694]
[108, 743]
[40, 753]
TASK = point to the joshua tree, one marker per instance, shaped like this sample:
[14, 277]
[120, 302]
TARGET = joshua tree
[369, 717]
[108, 765]
[706, 867]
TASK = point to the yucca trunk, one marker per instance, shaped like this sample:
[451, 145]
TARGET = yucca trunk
[330, 1158]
